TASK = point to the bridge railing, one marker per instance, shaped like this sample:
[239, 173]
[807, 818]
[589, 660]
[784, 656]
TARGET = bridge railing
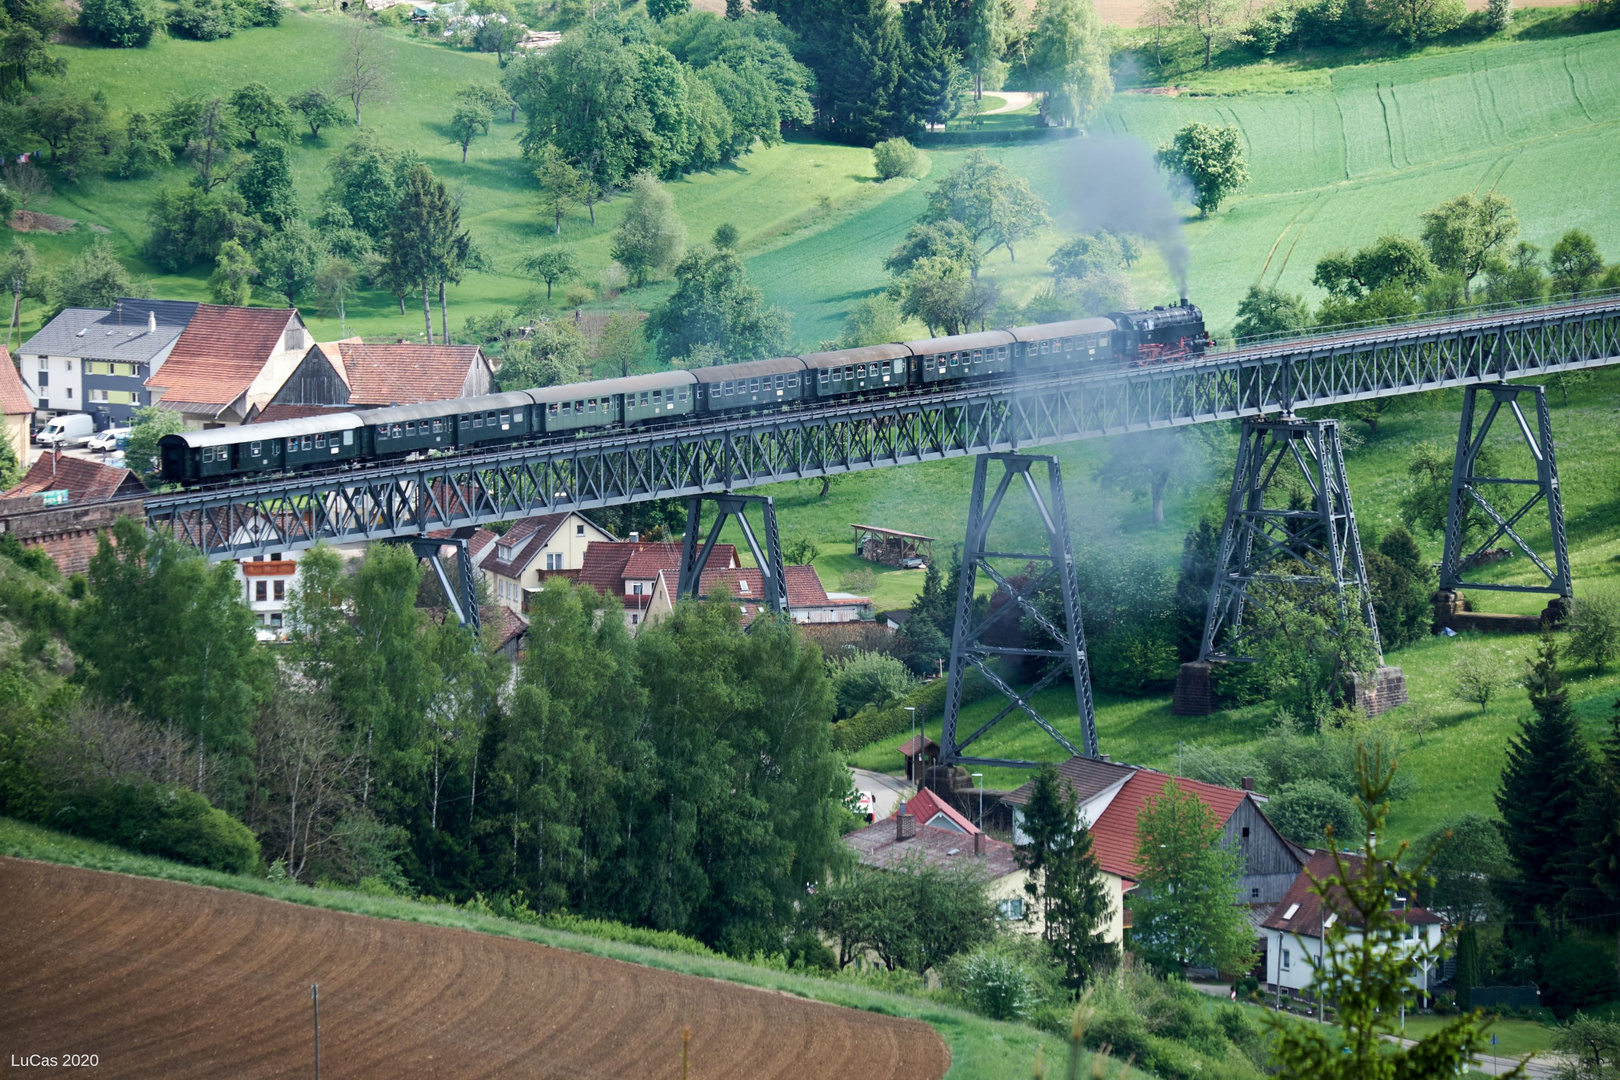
[722, 454]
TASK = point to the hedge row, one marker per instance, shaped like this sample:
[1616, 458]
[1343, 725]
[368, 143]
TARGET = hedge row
[172, 823]
[871, 724]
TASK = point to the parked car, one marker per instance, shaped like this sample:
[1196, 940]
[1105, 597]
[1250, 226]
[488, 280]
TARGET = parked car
[114, 438]
[69, 429]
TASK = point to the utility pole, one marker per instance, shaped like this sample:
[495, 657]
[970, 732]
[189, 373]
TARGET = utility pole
[315, 1002]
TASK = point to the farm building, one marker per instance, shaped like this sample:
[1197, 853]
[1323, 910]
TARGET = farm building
[1110, 796]
[891, 547]
[926, 829]
[1293, 932]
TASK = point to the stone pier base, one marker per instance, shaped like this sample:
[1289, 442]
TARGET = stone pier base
[1195, 690]
[1379, 692]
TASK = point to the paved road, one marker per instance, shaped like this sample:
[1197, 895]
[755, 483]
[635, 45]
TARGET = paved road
[1543, 1067]
[887, 791]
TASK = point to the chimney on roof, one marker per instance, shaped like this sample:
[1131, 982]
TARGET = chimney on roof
[1247, 783]
[1105, 757]
[905, 826]
[978, 843]
[151, 322]
[635, 538]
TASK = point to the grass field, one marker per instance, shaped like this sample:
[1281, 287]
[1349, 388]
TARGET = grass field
[1349, 153]
[1456, 765]
[980, 1049]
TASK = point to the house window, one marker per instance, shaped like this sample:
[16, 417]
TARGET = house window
[554, 560]
[278, 590]
[1245, 832]
[579, 530]
[70, 392]
[635, 590]
[1254, 894]
[1010, 908]
[275, 619]
[275, 557]
[261, 591]
[1285, 959]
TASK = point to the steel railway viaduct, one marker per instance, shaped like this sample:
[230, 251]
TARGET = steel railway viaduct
[1264, 386]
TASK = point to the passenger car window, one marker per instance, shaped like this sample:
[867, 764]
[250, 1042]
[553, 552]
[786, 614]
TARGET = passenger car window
[592, 406]
[305, 443]
[256, 449]
[320, 442]
[478, 420]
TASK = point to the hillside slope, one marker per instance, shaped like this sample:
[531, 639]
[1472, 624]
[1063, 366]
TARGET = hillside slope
[163, 979]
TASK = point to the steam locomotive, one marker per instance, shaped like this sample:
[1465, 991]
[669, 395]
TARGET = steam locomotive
[1125, 338]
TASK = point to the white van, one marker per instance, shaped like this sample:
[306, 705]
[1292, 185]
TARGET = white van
[69, 429]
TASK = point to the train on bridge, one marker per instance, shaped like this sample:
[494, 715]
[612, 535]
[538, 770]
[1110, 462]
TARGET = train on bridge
[343, 439]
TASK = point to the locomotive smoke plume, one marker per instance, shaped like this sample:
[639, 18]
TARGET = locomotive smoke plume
[1114, 184]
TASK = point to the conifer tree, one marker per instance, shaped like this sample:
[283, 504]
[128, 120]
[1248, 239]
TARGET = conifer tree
[1548, 768]
[426, 245]
[1065, 879]
[1592, 876]
[869, 103]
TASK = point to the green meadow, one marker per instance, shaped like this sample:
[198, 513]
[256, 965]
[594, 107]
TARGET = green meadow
[1343, 155]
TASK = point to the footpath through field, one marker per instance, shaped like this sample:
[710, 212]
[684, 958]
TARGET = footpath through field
[160, 979]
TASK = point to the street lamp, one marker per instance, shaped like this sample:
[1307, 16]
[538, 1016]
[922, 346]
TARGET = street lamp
[979, 776]
[916, 747]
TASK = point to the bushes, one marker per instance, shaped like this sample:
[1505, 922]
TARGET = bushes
[203, 20]
[1579, 973]
[897, 157]
[1301, 811]
[156, 820]
[869, 678]
[871, 724]
[1594, 629]
[120, 24]
[996, 983]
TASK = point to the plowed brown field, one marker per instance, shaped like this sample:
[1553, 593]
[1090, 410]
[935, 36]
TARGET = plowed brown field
[167, 980]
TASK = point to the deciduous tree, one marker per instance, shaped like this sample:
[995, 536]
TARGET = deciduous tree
[715, 308]
[1465, 234]
[1575, 263]
[1069, 62]
[1184, 912]
[360, 74]
[997, 208]
[470, 120]
[231, 283]
[318, 110]
[257, 110]
[1264, 312]
[650, 236]
[552, 265]
[559, 184]
[1210, 158]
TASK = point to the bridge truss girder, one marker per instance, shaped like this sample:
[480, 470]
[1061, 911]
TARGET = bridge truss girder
[1468, 491]
[694, 560]
[717, 456]
[1312, 548]
[968, 644]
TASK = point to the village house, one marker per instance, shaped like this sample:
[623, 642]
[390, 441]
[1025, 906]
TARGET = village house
[71, 482]
[927, 830]
[228, 360]
[1293, 934]
[1110, 796]
[351, 374]
[631, 570]
[16, 409]
[808, 602]
[533, 549]
[97, 360]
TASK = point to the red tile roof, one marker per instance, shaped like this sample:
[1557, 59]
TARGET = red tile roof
[877, 846]
[608, 564]
[219, 354]
[13, 395]
[525, 539]
[911, 745]
[405, 374]
[925, 806]
[1300, 910]
[84, 481]
[1113, 834]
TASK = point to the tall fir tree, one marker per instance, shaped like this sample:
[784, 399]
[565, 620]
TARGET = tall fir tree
[869, 98]
[935, 79]
[1065, 880]
[1548, 769]
[1592, 874]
